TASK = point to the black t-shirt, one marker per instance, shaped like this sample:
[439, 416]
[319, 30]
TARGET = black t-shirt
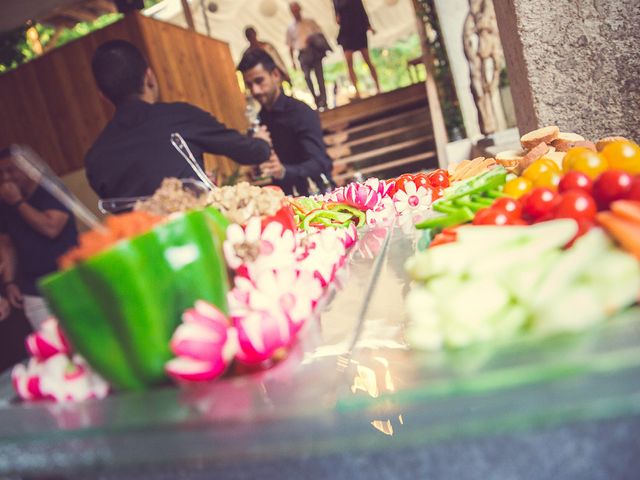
[297, 139]
[36, 253]
[133, 154]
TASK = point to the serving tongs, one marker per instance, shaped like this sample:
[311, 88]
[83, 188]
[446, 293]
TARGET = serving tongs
[178, 142]
[30, 163]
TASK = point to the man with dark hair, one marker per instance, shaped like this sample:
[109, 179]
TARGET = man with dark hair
[133, 154]
[35, 229]
[296, 135]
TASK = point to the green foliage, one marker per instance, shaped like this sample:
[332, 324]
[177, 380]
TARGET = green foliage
[15, 50]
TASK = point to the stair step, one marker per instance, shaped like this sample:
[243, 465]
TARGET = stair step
[382, 151]
[386, 165]
[343, 135]
[338, 118]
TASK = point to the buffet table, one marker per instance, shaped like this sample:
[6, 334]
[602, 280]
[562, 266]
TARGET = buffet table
[353, 401]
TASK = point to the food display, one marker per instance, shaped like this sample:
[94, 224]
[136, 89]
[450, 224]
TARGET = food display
[194, 285]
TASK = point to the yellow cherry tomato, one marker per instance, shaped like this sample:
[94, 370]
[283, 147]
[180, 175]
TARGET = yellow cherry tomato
[591, 165]
[517, 187]
[623, 155]
[540, 166]
[548, 179]
[574, 154]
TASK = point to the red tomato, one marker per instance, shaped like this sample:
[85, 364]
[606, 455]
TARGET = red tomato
[421, 180]
[539, 202]
[439, 178]
[402, 180]
[436, 193]
[490, 216]
[576, 204]
[441, 239]
[511, 207]
[575, 180]
[634, 191]
[611, 185]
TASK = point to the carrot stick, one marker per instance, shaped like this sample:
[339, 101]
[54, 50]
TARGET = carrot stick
[625, 232]
[627, 209]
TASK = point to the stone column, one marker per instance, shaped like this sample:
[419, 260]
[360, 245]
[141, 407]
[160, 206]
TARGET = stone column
[574, 63]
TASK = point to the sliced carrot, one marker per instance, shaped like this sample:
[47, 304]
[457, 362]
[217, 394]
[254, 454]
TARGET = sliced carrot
[625, 232]
[627, 209]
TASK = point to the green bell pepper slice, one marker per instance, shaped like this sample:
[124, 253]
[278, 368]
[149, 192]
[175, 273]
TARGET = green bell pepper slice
[120, 307]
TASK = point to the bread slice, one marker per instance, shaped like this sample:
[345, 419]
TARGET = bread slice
[603, 142]
[532, 155]
[542, 135]
[570, 137]
[565, 146]
[510, 159]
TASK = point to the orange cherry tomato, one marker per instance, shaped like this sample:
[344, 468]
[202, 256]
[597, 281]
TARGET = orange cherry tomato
[402, 180]
[623, 155]
[517, 187]
[548, 179]
[540, 166]
[584, 160]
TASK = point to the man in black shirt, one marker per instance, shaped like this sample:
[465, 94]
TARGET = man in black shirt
[133, 154]
[35, 229]
[296, 133]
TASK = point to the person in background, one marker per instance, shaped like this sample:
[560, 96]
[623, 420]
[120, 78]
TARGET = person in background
[35, 229]
[354, 25]
[305, 37]
[133, 154]
[300, 154]
[254, 43]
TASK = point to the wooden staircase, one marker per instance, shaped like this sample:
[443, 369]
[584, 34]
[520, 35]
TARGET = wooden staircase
[382, 136]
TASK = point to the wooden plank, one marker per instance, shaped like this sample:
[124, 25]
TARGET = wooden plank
[373, 105]
[386, 165]
[377, 123]
[383, 150]
[386, 134]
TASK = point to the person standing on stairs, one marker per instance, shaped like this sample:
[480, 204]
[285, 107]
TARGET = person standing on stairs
[305, 36]
[354, 25]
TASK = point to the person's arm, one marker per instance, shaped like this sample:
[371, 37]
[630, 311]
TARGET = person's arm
[8, 274]
[48, 222]
[315, 159]
[214, 137]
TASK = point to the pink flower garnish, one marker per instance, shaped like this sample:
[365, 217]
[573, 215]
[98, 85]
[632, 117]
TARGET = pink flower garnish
[48, 341]
[383, 187]
[204, 344]
[383, 214]
[361, 196]
[58, 378]
[412, 199]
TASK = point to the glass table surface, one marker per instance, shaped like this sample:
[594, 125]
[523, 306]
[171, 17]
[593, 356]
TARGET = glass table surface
[350, 384]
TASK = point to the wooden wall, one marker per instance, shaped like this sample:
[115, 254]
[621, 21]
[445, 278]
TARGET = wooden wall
[53, 105]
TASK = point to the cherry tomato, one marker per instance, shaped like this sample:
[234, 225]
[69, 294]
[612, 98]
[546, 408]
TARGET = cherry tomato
[422, 180]
[548, 179]
[634, 191]
[490, 216]
[574, 154]
[439, 178]
[623, 155]
[436, 193]
[611, 185]
[402, 180]
[509, 206]
[587, 162]
[517, 187]
[539, 202]
[575, 181]
[540, 166]
[576, 204]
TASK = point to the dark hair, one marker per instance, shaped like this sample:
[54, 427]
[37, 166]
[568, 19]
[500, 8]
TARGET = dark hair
[254, 57]
[119, 69]
[249, 30]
